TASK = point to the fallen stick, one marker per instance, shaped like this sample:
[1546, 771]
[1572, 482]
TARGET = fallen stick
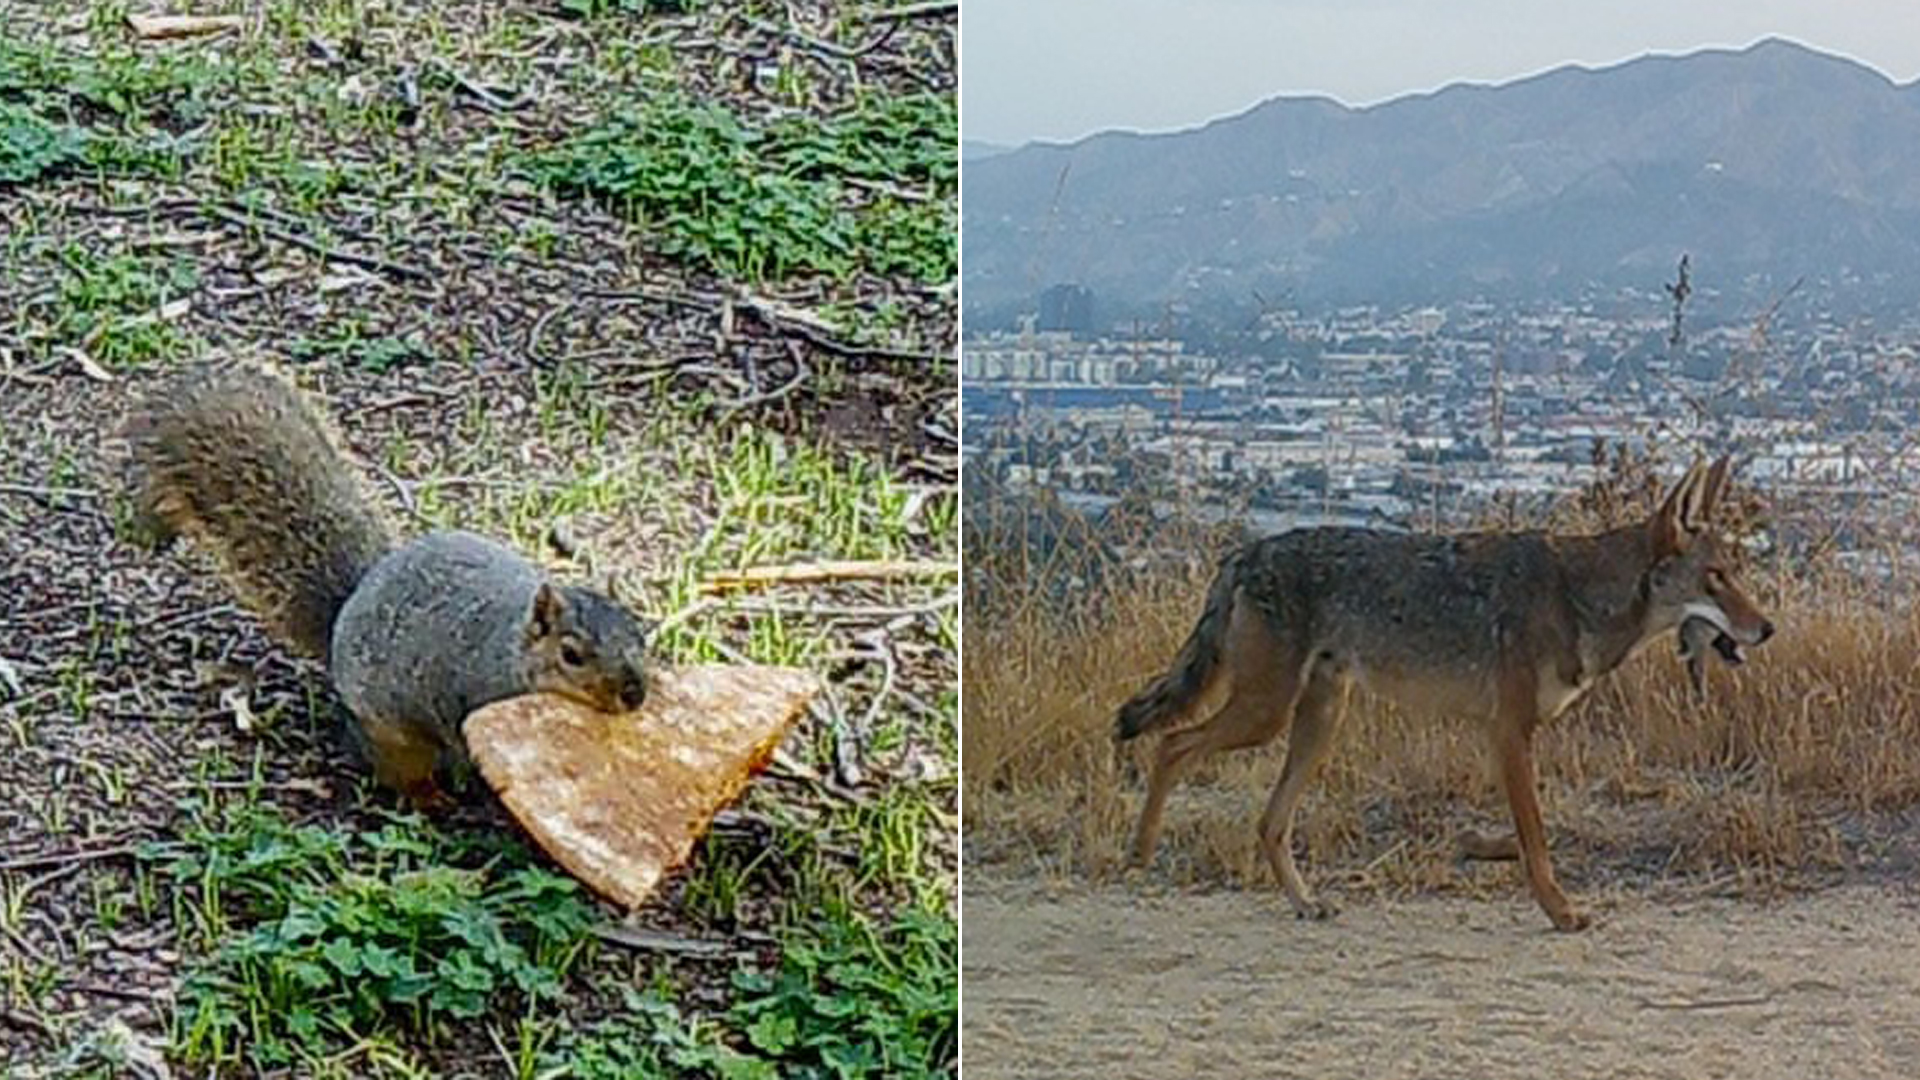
[152, 27]
[913, 11]
[67, 858]
[821, 332]
[842, 611]
[653, 941]
[245, 220]
[848, 570]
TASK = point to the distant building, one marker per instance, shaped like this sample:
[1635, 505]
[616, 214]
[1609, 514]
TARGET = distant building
[1427, 321]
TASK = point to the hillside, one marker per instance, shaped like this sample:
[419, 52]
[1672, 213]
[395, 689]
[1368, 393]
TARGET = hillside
[1774, 161]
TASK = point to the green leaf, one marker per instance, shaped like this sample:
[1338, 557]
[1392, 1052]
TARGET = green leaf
[344, 956]
[773, 1033]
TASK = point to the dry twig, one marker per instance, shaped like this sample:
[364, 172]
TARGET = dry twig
[154, 27]
[847, 570]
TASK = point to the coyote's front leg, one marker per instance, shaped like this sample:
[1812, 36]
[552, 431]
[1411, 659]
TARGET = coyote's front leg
[1514, 746]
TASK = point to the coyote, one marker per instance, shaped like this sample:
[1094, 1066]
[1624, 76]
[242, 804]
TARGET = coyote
[1508, 628]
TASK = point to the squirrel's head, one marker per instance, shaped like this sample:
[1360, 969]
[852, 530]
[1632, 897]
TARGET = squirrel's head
[584, 646]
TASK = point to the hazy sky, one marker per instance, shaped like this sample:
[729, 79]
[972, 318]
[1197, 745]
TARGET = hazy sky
[1058, 69]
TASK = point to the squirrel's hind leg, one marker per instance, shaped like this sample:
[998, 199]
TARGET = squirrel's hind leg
[405, 759]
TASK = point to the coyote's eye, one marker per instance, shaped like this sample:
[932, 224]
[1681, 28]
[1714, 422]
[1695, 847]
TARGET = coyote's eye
[571, 656]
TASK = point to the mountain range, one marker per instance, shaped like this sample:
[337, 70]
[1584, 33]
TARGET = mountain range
[1766, 164]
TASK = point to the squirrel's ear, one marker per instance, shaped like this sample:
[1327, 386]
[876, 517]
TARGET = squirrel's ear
[544, 619]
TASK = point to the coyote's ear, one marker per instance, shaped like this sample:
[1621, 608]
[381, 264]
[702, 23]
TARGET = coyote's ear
[1678, 518]
[1716, 486]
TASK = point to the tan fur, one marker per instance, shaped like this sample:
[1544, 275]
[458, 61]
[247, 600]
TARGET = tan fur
[235, 459]
[1506, 628]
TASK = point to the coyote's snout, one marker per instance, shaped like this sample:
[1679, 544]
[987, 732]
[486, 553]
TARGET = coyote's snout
[1507, 628]
[1697, 635]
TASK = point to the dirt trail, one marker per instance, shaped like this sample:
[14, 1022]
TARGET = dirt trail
[1111, 983]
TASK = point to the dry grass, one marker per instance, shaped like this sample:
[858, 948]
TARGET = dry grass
[1788, 774]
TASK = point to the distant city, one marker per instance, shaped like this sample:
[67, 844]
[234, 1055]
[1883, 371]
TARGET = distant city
[1397, 314]
[1380, 415]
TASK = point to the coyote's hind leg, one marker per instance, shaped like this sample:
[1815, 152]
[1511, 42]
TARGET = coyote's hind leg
[1316, 722]
[1264, 686]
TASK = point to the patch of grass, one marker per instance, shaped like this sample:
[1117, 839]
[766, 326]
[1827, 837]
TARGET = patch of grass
[870, 190]
[172, 90]
[113, 306]
[32, 147]
[350, 345]
[654, 1038]
[119, 112]
[895, 828]
[905, 140]
[791, 496]
[858, 1000]
[322, 941]
[849, 999]
[921, 240]
[785, 500]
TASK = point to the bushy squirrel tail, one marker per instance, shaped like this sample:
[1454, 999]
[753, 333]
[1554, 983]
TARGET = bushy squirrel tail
[236, 459]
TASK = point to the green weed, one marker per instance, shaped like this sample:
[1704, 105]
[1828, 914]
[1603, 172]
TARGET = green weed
[920, 240]
[654, 1039]
[793, 196]
[32, 147]
[351, 346]
[112, 305]
[169, 90]
[849, 999]
[328, 940]
[859, 1000]
[117, 113]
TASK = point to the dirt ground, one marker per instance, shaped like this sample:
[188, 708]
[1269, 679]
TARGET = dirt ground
[1115, 981]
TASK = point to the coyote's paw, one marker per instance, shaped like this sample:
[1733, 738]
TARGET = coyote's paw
[1571, 921]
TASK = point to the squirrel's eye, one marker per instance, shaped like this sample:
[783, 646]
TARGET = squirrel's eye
[571, 657]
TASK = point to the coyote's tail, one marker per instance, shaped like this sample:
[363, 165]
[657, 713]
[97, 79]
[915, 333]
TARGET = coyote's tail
[1170, 695]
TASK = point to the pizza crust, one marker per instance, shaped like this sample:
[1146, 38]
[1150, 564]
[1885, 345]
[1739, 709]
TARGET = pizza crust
[620, 799]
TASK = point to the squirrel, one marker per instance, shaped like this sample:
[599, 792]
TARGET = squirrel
[415, 634]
